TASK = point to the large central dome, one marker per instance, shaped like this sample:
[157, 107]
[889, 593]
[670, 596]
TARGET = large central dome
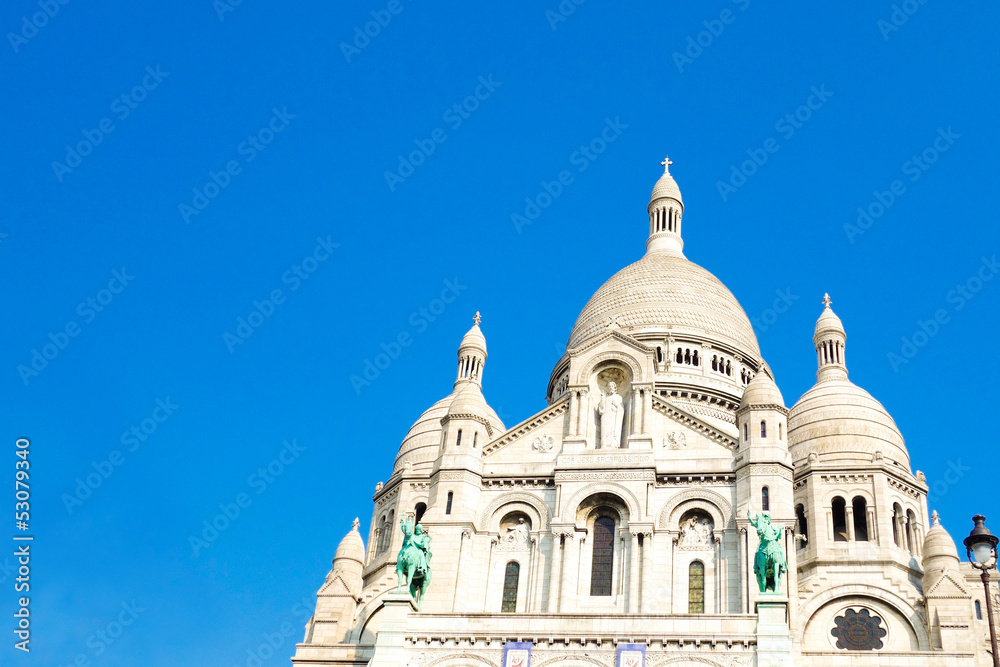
[664, 293]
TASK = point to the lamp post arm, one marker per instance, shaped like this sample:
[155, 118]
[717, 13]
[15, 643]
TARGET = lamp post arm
[989, 614]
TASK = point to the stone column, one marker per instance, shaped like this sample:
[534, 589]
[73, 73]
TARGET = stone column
[646, 596]
[574, 412]
[717, 565]
[555, 581]
[532, 567]
[633, 572]
[494, 541]
[459, 579]
[849, 518]
[571, 570]
[872, 525]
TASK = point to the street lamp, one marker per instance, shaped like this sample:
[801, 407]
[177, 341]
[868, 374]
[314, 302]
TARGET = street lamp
[981, 547]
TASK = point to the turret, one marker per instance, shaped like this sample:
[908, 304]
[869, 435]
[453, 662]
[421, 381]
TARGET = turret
[337, 600]
[944, 586]
[665, 210]
[472, 355]
[830, 339]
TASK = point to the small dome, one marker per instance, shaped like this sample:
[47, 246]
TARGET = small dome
[420, 446]
[938, 543]
[474, 337]
[762, 390]
[840, 421]
[666, 187]
[422, 442]
[828, 322]
[352, 547]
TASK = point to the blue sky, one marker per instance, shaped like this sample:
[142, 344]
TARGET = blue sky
[171, 170]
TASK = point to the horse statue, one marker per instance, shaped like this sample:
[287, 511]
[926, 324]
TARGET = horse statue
[413, 563]
[769, 562]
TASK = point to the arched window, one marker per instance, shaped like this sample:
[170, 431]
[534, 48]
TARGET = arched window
[897, 516]
[839, 507]
[729, 369]
[680, 356]
[475, 438]
[746, 432]
[765, 499]
[696, 587]
[687, 357]
[419, 510]
[458, 440]
[860, 507]
[911, 528]
[763, 428]
[602, 564]
[510, 580]
[447, 508]
[694, 357]
[979, 611]
[715, 362]
[803, 527]
[781, 433]
[659, 354]
[380, 543]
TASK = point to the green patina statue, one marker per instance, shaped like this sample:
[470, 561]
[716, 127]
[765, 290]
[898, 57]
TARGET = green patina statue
[769, 563]
[414, 561]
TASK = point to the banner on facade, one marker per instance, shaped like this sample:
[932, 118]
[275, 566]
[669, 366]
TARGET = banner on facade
[516, 654]
[631, 655]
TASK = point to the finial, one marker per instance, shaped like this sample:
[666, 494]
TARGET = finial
[666, 164]
[936, 518]
[827, 300]
[477, 319]
[356, 524]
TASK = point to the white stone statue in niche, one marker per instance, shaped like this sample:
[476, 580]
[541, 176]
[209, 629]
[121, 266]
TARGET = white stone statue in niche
[696, 532]
[612, 411]
[516, 537]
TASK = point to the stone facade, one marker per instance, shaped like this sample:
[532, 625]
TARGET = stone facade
[540, 534]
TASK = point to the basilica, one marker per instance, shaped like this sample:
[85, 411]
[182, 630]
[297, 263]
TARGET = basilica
[664, 508]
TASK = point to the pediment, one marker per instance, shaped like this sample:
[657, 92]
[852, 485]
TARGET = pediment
[612, 334]
[336, 587]
[948, 586]
[546, 424]
[679, 415]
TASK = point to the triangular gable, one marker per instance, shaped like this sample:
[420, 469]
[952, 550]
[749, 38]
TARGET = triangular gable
[530, 424]
[617, 335]
[336, 586]
[685, 418]
[948, 586]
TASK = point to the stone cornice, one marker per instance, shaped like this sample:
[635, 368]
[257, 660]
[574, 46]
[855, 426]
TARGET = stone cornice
[471, 417]
[763, 406]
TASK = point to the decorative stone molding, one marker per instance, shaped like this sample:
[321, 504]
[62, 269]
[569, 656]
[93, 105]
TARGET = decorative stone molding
[718, 507]
[722, 479]
[543, 443]
[624, 494]
[527, 426]
[905, 488]
[470, 417]
[458, 476]
[626, 475]
[753, 469]
[485, 519]
[520, 482]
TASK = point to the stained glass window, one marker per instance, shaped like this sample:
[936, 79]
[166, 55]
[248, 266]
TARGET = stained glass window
[603, 561]
[510, 580]
[696, 587]
[858, 631]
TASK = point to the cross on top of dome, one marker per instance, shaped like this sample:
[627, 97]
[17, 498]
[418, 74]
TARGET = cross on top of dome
[666, 164]
[827, 300]
[477, 319]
